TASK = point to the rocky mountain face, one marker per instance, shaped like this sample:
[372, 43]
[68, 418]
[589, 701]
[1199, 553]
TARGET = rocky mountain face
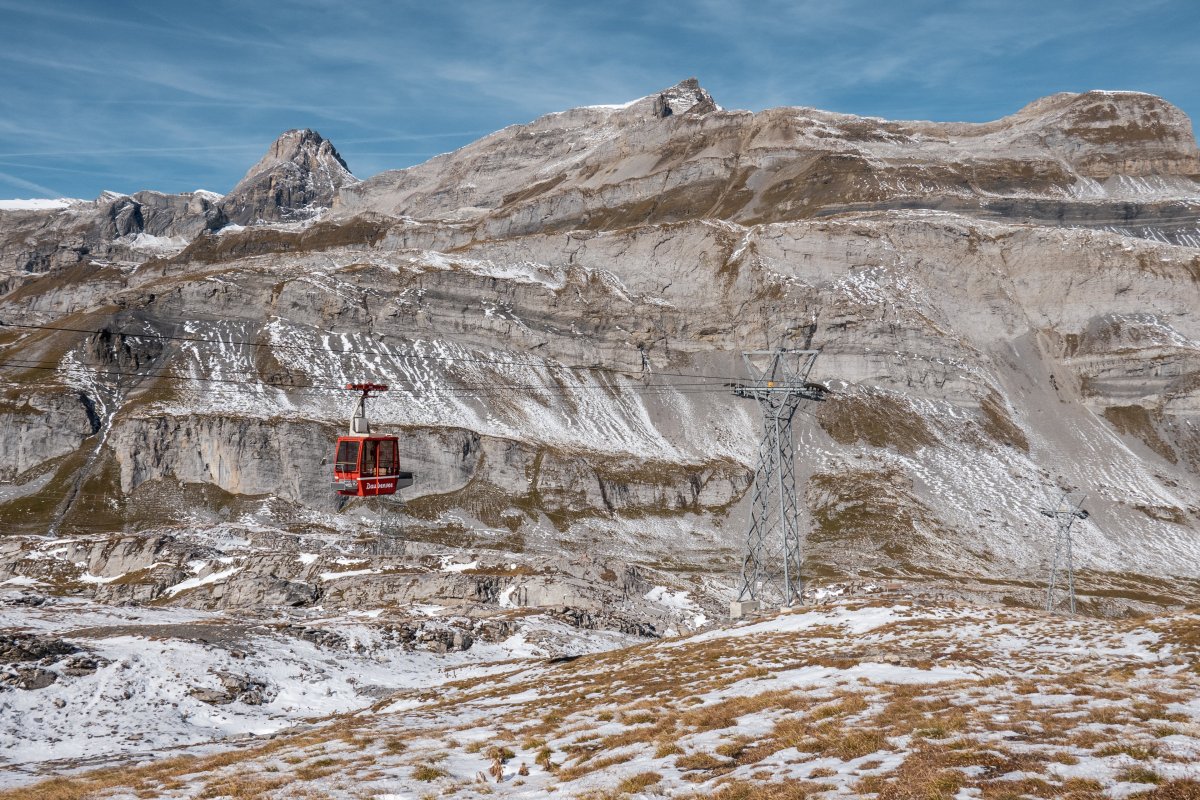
[294, 181]
[559, 309]
[299, 176]
[1101, 160]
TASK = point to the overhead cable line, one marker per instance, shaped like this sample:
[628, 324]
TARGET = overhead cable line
[249, 382]
[388, 353]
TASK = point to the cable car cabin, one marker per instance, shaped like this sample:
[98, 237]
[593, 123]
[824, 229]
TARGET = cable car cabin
[369, 465]
[366, 465]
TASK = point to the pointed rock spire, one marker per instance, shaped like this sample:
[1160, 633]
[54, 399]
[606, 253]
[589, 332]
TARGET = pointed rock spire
[297, 177]
[685, 97]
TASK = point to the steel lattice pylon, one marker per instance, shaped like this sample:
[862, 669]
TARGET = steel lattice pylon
[771, 568]
[1062, 570]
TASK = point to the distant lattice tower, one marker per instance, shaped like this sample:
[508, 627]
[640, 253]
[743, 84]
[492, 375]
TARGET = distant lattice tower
[773, 554]
[1060, 588]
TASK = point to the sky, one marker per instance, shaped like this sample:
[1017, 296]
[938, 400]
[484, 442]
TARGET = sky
[174, 96]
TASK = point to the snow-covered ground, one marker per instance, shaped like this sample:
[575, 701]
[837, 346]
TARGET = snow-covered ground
[885, 697]
[166, 679]
[38, 204]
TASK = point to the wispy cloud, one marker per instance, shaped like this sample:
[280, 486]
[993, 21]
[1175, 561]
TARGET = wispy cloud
[38, 167]
[28, 186]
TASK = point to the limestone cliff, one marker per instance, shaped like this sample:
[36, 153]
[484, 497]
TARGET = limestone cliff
[559, 308]
[298, 177]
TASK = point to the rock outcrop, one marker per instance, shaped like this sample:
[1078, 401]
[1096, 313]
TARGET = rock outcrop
[559, 309]
[295, 180]
[80, 242]
[1098, 159]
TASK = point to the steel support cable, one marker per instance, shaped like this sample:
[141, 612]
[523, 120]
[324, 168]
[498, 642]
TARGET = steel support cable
[249, 383]
[304, 349]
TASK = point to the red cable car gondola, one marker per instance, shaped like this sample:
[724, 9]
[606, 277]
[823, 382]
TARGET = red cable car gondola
[366, 465]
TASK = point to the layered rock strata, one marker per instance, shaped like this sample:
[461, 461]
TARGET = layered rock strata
[1002, 309]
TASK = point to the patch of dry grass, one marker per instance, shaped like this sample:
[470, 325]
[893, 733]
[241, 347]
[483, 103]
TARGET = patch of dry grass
[704, 761]
[1139, 774]
[158, 774]
[568, 774]
[636, 783]
[747, 790]
[725, 713]
[319, 768]
[242, 787]
[1139, 751]
[1184, 789]
[427, 772]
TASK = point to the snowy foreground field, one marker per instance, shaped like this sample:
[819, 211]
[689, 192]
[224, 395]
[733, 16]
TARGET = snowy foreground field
[860, 698]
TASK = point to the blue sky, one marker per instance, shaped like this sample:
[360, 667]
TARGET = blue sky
[176, 96]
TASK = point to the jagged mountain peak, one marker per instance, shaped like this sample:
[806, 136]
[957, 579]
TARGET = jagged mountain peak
[685, 97]
[300, 146]
[296, 178]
